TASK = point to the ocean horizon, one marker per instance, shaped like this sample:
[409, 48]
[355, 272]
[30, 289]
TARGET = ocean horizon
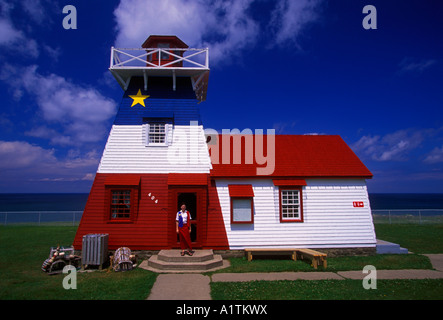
[10, 202]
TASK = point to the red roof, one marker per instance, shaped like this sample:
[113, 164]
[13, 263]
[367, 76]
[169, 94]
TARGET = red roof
[296, 156]
[154, 40]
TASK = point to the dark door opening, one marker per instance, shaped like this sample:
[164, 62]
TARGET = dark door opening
[190, 200]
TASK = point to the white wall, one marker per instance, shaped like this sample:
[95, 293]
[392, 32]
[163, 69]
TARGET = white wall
[126, 151]
[330, 219]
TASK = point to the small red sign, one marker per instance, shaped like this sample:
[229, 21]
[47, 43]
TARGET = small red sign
[358, 204]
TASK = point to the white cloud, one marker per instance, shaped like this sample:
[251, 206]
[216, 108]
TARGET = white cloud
[16, 36]
[15, 40]
[290, 17]
[81, 111]
[19, 155]
[137, 19]
[414, 65]
[8, 33]
[394, 146]
[225, 26]
[435, 156]
[22, 161]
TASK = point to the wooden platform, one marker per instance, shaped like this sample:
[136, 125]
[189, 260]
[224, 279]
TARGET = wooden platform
[315, 257]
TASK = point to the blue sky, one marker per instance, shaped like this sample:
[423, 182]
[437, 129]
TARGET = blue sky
[299, 67]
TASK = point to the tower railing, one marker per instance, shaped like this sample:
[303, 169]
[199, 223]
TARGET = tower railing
[147, 58]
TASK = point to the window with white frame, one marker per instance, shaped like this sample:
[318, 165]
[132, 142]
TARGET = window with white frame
[290, 205]
[157, 134]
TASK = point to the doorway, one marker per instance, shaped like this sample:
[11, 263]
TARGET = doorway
[190, 200]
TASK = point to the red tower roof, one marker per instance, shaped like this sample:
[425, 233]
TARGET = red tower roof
[173, 41]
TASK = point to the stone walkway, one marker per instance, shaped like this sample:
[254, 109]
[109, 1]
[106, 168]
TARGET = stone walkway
[197, 286]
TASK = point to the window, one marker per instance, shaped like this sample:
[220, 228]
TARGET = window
[122, 193]
[120, 204]
[290, 205]
[164, 56]
[157, 134]
[242, 210]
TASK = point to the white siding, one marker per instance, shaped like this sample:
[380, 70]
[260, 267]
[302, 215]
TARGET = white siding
[126, 151]
[330, 219]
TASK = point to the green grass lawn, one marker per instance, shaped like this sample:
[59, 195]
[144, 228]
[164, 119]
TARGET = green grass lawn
[417, 238]
[386, 261]
[22, 252]
[24, 248]
[431, 289]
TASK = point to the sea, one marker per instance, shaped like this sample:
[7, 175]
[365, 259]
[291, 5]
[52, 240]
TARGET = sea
[13, 202]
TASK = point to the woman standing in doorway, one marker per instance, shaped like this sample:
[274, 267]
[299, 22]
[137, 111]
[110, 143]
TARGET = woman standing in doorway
[183, 228]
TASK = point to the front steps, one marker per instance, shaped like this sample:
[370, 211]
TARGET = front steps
[385, 247]
[171, 261]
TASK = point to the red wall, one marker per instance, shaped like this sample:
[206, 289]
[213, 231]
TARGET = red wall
[152, 227]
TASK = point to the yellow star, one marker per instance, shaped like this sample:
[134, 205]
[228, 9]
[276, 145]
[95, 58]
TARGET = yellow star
[138, 98]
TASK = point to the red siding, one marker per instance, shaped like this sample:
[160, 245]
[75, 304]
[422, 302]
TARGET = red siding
[216, 236]
[152, 227]
[194, 179]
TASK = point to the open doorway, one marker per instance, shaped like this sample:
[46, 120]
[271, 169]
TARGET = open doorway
[190, 200]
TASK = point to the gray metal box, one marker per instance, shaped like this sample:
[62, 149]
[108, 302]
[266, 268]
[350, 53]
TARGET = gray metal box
[94, 249]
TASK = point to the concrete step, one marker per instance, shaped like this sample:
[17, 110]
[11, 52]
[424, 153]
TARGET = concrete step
[175, 256]
[172, 261]
[385, 247]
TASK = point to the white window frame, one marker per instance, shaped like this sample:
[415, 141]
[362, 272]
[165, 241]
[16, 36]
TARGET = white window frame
[162, 137]
[290, 206]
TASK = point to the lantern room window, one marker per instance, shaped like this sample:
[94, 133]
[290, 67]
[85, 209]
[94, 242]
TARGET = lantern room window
[164, 55]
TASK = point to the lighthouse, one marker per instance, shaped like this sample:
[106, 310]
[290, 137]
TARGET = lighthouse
[244, 190]
[156, 157]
